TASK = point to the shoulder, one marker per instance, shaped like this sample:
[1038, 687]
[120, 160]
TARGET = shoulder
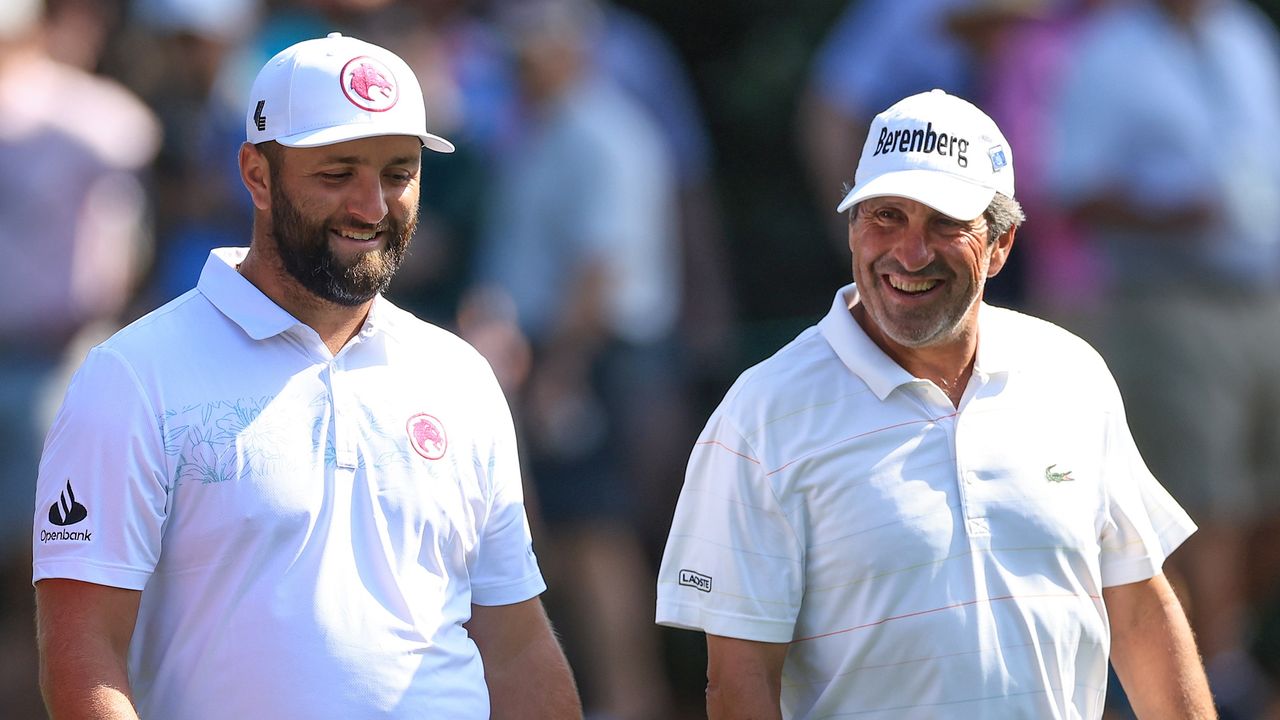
[1037, 346]
[803, 366]
[178, 323]
[432, 343]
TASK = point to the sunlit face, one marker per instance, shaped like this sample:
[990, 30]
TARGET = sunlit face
[919, 273]
[342, 215]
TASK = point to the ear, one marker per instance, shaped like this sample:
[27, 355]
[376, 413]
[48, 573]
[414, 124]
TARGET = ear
[255, 173]
[1000, 251]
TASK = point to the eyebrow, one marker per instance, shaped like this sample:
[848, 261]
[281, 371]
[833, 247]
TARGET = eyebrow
[359, 160]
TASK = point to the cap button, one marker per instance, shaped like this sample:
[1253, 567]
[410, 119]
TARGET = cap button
[334, 34]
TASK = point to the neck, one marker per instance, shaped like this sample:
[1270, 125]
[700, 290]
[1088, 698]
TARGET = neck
[335, 324]
[947, 364]
[950, 375]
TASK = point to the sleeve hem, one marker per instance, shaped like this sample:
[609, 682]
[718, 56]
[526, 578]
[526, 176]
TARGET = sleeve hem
[690, 617]
[121, 577]
[1125, 570]
[526, 588]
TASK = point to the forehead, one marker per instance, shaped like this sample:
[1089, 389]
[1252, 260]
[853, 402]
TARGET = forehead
[910, 207]
[377, 151]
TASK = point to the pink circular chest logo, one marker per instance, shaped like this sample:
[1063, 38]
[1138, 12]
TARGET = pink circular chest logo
[426, 435]
[369, 84]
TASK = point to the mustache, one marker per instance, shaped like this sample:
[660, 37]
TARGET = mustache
[360, 226]
[935, 269]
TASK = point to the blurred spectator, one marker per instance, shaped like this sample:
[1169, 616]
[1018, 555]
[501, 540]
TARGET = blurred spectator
[468, 77]
[72, 220]
[640, 59]
[1024, 48]
[878, 52]
[177, 54]
[76, 32]
[1165, 146]
[581, 232]
[470, 86]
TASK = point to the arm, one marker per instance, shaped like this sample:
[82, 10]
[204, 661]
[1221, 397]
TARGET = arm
[1154, 652]
[527, 674]
[744, 679]
[83, 632]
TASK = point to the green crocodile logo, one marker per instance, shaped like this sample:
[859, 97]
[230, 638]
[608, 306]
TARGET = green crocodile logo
[1057, 477]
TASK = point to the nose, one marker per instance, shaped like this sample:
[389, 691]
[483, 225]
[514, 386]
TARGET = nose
[913, 251]
[367, 202]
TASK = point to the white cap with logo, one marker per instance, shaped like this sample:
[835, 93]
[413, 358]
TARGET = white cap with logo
[938, 150]
[334, 89]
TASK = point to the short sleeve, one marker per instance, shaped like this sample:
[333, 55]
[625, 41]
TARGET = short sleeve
[505, 569]
[101, 498]
[733, 564]
[1144, 524]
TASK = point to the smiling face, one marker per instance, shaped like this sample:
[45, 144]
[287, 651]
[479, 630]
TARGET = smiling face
[920, 273]
[342, 215]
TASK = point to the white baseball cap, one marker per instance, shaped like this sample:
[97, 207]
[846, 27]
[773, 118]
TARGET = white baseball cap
[936, 149]
[334, 89]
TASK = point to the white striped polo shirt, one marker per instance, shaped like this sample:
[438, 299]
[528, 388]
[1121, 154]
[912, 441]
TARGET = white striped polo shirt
[922, 561]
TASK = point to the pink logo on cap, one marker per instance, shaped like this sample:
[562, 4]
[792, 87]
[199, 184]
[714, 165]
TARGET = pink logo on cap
[426, 435]
[369, 85]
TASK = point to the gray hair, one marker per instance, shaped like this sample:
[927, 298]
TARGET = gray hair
[1003, 213]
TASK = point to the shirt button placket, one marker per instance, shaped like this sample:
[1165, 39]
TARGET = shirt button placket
[970, 489]
[343, 417]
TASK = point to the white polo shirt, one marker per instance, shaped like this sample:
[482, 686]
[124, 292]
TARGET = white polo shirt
[922, 561]
[308, 531]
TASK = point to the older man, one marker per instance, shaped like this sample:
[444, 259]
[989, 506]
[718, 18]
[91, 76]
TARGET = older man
[925, 506]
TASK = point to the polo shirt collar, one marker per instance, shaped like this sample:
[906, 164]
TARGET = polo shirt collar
[998, 347]
[238, 299]
[866, 360]
[857, 351]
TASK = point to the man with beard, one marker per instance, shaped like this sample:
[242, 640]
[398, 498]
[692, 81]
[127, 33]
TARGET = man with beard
[926, 506]
[279, 495]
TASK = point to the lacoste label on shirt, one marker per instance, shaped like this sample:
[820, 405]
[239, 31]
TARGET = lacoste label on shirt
[695, 580]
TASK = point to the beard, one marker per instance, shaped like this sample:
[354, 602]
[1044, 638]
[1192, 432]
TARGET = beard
[927, 325]
[303, 247]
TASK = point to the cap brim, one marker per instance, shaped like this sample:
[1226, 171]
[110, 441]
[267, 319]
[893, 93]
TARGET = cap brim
[949, 194]
[343, 133]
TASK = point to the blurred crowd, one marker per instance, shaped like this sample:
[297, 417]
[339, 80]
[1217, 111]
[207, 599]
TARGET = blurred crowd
[597, 236]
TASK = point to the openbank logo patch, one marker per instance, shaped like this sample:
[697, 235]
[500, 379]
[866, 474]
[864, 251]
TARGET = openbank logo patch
[67, 511]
